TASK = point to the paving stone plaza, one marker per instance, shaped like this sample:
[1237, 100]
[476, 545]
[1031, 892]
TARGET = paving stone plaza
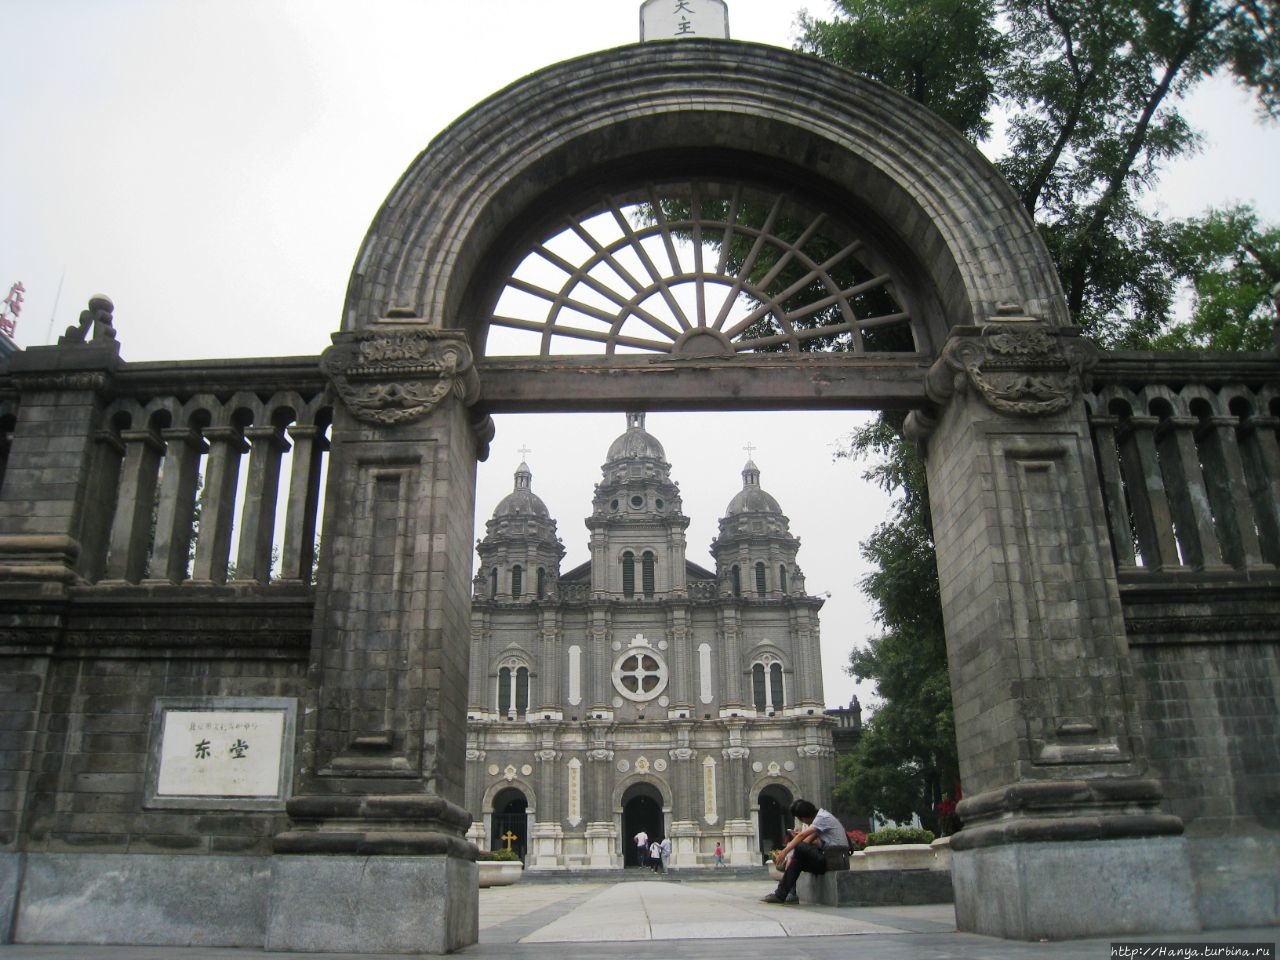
[226, 744]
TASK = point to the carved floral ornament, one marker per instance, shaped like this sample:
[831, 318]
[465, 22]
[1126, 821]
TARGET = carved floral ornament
[399, 374]
[1019, 366]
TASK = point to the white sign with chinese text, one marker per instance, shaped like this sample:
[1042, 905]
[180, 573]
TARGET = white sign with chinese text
[679, 19]
[221, 753]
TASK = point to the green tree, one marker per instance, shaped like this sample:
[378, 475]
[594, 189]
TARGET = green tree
[944, 54]
[906, 758]
[1233, 264]
[1089, 89]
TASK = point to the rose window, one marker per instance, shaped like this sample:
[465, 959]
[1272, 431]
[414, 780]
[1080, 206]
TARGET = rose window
[640, 674]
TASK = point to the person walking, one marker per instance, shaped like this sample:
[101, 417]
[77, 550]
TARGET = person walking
[664, 853]
[642, 848]
[719, 854]
[655, 856]
[807, 851]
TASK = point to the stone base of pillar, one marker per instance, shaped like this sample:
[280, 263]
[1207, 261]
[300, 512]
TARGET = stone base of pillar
[354, 904]
[546, 847]
[1071, 889]
[740, 844]
[685, 837]
[600, 846]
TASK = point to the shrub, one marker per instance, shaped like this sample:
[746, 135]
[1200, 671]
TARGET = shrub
[507, 855]
[896, 835]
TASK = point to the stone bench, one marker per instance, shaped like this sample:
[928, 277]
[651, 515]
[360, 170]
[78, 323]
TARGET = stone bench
[842, 887]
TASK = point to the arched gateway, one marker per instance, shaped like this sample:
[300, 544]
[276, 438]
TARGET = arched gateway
[693, 226]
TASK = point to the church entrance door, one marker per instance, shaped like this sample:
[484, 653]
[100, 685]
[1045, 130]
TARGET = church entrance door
[641, 810]
[510, 818]
[774, 817]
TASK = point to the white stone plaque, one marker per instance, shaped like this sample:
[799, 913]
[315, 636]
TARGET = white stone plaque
[679, 19]
[221, 752]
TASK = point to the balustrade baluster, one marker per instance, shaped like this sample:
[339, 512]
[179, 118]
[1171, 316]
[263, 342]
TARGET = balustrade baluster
[1153, 520]
[176, 509]
[1188, 497]
[1228, 493]
[1260, 456]
[131, 527]
[1104, 433]
[301, 519]
[217, 510]
[258, 518]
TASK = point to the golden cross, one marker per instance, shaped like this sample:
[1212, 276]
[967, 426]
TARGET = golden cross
[508, 836]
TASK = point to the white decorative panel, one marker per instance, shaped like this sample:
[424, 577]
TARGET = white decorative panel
[575, 675]
[704, 672]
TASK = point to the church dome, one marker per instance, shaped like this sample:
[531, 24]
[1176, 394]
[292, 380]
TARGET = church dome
[752, 498]
[636, 443]
[522, 501]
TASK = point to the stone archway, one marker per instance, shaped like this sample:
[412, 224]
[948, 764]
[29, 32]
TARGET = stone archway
[1050, 749]
[641, 811]
[774, 816]
[510, 818]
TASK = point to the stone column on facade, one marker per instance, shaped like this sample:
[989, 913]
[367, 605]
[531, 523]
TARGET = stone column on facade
[176, 507]
[734, 776]
[131, 527]
[298, 556]
[258, 516]
[600, 831]
[217, 510]
[598, 664]
[729, 627]
[1185, 481]
[1061, 811]
[680, 658]
[1229, 493]
[381, 763]
[550, 684]
[685, 796]
[546, 846]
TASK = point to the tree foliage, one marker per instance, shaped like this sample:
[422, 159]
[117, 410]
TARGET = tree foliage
[906, 758]
[1089, 92]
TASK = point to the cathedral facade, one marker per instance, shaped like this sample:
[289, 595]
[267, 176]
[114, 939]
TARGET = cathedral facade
[640, 691]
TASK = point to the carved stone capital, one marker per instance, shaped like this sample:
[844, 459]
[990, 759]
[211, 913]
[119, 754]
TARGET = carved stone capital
[600, 755]
[400, 373]
[1019, 366]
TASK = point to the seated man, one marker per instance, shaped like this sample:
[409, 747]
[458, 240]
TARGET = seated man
[808, 849]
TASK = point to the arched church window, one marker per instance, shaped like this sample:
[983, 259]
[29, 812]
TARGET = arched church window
[758, 686]
[782, 578]
[517, 582]
[646, 574]
[760, 585]
[775, 685]
[513, 690]
[493, 583]
[542, 583]
[735, 581]
[628, 575]
[522, 688]
[768, 692]
[504, 690]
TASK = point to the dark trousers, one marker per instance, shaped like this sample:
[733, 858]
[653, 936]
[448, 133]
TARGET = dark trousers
[806, 857]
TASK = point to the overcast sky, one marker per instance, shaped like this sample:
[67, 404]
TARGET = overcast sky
[213, 168]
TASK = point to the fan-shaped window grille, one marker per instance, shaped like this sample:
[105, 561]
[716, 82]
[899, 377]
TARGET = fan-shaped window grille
[701, 267]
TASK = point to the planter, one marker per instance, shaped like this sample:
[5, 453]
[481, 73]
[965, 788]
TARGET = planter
[499, 873]
[774, 872]
[900, 856]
